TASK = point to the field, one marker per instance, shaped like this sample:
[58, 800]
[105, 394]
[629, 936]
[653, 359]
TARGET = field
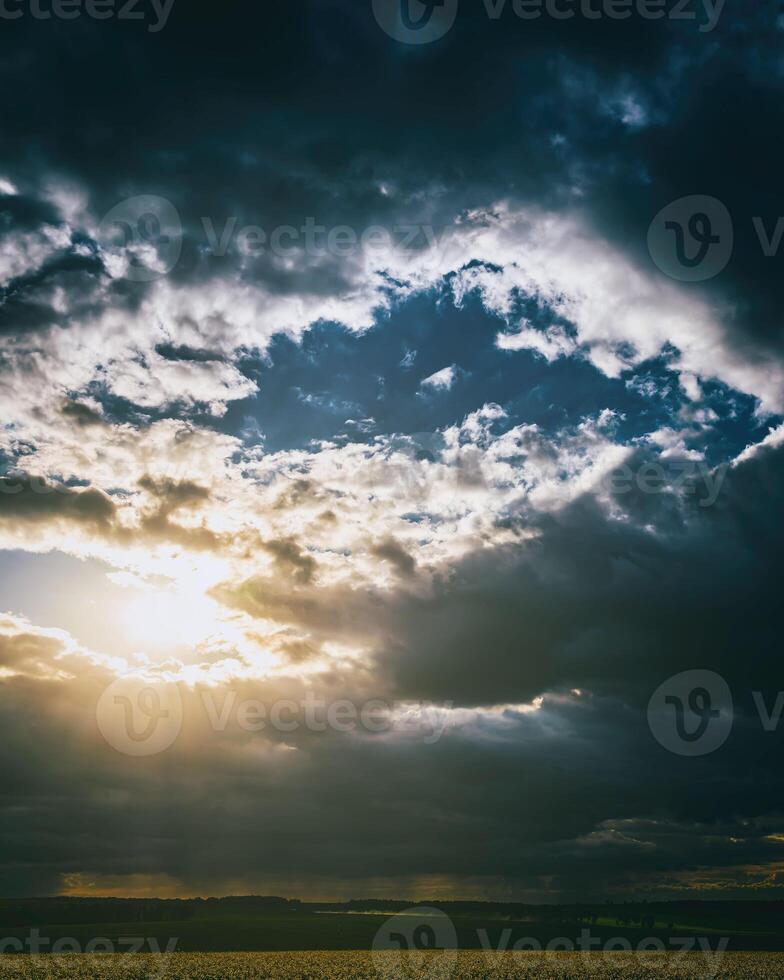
[390, 966]
[334, 941]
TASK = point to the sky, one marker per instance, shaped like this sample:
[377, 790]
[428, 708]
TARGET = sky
[391, 449]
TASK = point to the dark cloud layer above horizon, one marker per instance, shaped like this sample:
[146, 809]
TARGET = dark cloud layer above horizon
[497, 469]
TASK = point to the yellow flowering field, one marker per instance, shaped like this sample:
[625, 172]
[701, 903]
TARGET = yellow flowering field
[357, 965]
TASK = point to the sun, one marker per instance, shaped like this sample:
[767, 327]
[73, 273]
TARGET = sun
[162, 620]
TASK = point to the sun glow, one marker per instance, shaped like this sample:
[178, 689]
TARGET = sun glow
[167, 616]
[164, 620]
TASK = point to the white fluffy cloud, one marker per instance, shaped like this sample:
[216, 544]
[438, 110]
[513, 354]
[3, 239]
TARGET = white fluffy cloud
[441, 380]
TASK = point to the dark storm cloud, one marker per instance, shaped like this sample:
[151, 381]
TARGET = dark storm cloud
[573, 799]
[596, 604]
[270, 113]
[544, 803]
[503, 108]
[590, 600]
